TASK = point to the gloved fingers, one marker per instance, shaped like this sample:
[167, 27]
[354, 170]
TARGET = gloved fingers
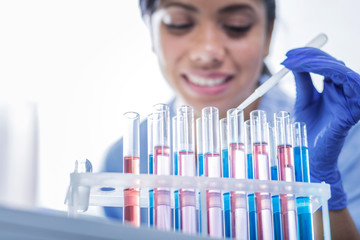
[324, 66]
[307, 51]
[305, 90]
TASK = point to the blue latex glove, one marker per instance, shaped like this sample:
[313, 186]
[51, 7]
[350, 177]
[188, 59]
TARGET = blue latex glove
[328, 115]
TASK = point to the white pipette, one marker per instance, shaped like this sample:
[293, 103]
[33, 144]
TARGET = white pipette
[317, 42]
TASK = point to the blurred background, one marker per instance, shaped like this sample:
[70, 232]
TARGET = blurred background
[69, 69]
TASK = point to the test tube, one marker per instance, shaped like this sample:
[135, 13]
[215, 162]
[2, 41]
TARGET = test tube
[286, 173]
[150, 167]
[199, 145]
[162, 165]
[177, 220]
[212, 162]
[275, 177]
[302, 174]
[200, 164]
[237, 159]
[187, 166]
[131, 151]
[250, 175]
[225, 174]
[260, 139]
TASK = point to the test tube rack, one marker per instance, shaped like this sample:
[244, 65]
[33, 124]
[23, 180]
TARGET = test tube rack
[88, 189]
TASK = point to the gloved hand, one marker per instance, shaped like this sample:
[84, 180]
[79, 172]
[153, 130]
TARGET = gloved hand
[328, 115]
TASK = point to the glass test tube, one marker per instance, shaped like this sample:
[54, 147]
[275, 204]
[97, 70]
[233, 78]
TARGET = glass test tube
[177, 220]
[131, 150]
[187, 166]
[235, 118]
[275, 177]
[259, 138]
[302, 174]
[150, 167]
[199, 145]
[225, 174]
[286, 172]
[211, 150]
[162, 165]
[200, 164]
[250, 175]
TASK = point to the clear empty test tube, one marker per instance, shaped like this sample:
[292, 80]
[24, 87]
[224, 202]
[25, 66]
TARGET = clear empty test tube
[187, 166]
[250, 175]
[200, 165]
[225, 174]
[162, 165]
[275, 177]
[260, 139]
[177, 220]
[150, 167]
[131, 151]
[212, 162]
[235, 118]
[286, 173]
[302, 174]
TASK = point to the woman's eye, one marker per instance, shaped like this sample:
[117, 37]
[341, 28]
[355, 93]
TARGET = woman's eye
[180, 26]
[237, 29]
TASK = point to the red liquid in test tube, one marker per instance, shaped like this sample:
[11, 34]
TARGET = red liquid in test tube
[131, 164]
[132, 195]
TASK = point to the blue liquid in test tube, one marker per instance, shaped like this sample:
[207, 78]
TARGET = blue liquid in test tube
[200, 158]
[225, 174]
[250, 174]
[276, 207]
[150, 168]
[275, 177]
[176, 173]
[302, 174]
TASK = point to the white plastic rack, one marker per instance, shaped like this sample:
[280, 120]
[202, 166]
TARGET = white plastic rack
[106, 189]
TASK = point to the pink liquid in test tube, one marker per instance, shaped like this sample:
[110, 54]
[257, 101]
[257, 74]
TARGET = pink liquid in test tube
[238, 199]
[288, 204]
[187, 196]
[162, 199]
[286, 173]
[213, 197]
[263, 203]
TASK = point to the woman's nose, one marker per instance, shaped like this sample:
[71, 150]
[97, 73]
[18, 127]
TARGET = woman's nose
[207, 50]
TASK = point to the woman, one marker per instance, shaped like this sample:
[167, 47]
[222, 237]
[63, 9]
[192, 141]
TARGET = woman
[212, 54]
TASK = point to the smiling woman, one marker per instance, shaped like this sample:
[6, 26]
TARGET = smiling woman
[211, 52]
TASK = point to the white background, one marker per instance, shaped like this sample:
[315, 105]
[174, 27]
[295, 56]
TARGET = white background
[86, 62]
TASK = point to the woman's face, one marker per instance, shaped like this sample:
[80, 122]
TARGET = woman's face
[211, 52]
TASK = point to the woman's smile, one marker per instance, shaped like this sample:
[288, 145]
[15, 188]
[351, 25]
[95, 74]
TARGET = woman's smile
[207, 83]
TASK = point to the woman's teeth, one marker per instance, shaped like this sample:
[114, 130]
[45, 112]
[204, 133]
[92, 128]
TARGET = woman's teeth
[206, 81]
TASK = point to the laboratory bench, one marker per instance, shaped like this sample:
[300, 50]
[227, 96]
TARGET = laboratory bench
[16, 224]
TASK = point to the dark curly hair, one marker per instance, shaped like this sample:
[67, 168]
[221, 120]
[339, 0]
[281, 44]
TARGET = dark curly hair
[149, 6]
